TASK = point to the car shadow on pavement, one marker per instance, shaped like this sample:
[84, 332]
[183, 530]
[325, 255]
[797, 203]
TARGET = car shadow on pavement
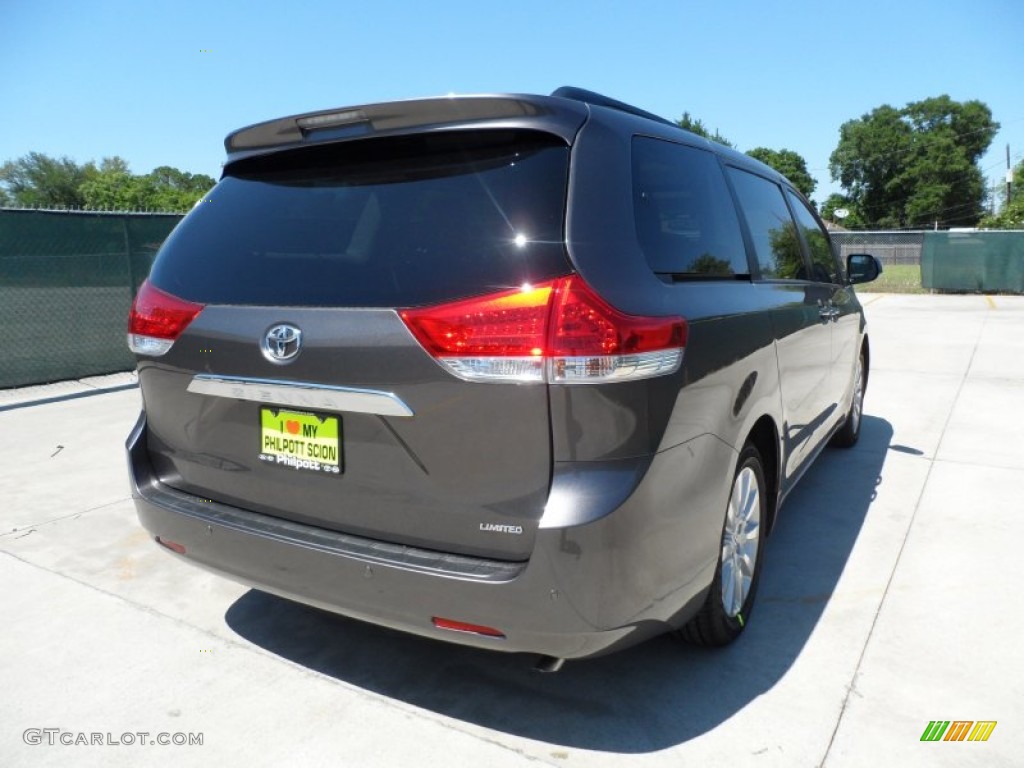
[646, 698]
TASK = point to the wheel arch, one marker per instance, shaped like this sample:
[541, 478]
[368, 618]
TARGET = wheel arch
[764, 435]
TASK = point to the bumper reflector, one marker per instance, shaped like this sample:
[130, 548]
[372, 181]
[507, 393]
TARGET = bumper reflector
[171, 545]
[461, 626]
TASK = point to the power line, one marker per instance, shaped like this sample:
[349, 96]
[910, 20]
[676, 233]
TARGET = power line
[999, 164]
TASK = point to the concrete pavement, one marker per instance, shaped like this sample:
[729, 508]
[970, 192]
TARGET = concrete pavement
[888, 599]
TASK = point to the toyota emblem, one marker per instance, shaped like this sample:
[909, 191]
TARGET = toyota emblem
[281, 344]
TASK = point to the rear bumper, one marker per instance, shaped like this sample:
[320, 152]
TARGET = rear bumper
[608, 570]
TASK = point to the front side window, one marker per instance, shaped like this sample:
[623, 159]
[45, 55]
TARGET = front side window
[686, 222]
[823, 262]
[772, 228]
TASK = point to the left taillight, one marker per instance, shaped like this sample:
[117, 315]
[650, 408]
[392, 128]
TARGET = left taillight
[157, 319]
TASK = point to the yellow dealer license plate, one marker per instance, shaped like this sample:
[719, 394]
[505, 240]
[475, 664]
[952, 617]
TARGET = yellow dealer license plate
[300, 440]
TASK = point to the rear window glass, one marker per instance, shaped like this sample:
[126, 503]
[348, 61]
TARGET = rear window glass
[686, 222]
[376, 223]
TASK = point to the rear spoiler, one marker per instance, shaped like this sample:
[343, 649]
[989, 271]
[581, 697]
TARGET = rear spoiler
[559, 116]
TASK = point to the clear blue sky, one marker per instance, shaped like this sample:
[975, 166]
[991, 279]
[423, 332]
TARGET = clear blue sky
[89, 79]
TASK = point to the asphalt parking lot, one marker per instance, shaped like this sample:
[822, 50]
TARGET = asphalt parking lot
[889, 599]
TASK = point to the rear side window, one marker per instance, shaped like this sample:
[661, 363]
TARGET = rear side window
[385, 222]
[686, 222]
[823, 262]
[772, 229]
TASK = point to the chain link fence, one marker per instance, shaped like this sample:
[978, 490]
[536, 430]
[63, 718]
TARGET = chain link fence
[67, 280]
[889, 247]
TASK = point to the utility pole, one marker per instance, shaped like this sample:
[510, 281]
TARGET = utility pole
[1009, 174]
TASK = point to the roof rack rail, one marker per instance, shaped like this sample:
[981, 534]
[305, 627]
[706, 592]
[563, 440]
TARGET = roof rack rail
[590, 97]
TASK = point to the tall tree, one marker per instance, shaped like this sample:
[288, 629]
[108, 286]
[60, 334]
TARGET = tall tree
[37, 180]
[790, 164]
[917, 165]
[696, 125]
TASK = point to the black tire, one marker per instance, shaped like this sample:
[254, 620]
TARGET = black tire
[849, 433]
[716, 625]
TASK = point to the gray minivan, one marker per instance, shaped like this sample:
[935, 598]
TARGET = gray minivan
[529, 373]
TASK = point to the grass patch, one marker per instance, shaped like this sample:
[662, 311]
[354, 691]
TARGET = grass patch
[897, 278]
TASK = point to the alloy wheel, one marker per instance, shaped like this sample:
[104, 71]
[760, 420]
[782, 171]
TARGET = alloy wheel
[740, 540]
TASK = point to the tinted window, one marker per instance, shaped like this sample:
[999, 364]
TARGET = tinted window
[686, 222]
[771, 226]
[378, 222]
[823, 263]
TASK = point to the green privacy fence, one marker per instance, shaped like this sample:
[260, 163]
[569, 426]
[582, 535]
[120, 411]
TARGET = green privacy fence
[992, 262]
[66, 282]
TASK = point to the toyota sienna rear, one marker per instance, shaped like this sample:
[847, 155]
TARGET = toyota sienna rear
[510, 371]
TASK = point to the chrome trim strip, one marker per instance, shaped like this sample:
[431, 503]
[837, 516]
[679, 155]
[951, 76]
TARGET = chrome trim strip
[300, 394]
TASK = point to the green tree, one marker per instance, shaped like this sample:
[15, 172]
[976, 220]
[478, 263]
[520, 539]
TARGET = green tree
[790, 164]
[696, 125]
[917, 165]
[169, 189]
[37, 180]
[834, 202]
[46, 182]
[112, 187]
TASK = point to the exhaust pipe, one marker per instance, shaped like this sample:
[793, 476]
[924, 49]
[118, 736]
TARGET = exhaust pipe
[548, 664]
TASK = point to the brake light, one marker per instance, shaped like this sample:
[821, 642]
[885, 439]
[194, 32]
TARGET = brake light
[591, 341]
[156, 319]
[559, 331]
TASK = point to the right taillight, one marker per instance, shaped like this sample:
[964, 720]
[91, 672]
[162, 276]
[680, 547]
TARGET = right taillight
[591, 341]
[157, 319]
[559, 331]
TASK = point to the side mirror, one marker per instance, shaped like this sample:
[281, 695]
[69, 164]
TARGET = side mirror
[862, 267]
